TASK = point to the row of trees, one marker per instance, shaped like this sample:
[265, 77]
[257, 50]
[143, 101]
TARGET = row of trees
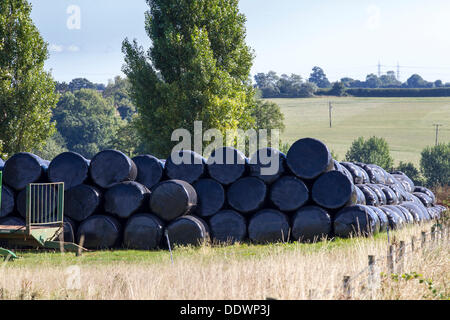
[273, 86]
[434, 163]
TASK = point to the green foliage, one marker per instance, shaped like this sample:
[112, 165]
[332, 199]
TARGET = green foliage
[293, 86]
[373, 151]
[267, 115]
[117, 90]
[53, 147]
[87, 121]
[435, 164]
[412, 172]
[334, 155]
[127, 139]
[197, 69]
[399, 92]
[319, 78]
[338, 89]
[27, 92]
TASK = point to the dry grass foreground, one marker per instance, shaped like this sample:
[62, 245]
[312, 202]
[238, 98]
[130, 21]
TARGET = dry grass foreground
[282, 271]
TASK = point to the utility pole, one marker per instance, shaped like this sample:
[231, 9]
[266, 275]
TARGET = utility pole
[437, 125]
[379, 69]
[329, 109]
[398, 71]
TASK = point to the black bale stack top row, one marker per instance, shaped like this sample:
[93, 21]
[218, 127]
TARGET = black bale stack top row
[113, 201]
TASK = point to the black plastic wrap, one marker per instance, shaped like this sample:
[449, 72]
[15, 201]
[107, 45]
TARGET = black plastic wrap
[339, 167]
[268, 225]
[260, 163]
[355, 220]
[407, 183]
[24, 168]
[355, 172]
[185, 165]
[414, 210]
[69, 167]
[391, 197]
[228, 226]
[408, 216]
[109, 167]
[210, 197]
[379, 193]
[247, 195]
[149, 170]
[12, 221]
[8, 201]
[99, 232]
[226, 165]
[382, 217]
[427, 191]
[360, 197]
[143, 231]
[172, 198]
[187, 230]
[426, 200]
[363, 172]
[82, 201]
[308, 158]
[396, 220]
[125, 198]
[69, 230]
[311, 223]
[333, 190]
[288, 193]
[45, 201]
[370, 195]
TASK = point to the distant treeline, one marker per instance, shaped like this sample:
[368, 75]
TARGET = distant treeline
[270, 85]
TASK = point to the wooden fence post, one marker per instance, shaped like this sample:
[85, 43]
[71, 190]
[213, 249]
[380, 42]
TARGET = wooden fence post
[424, 239]
[400, 256]
[346, 287]
[390, 259]
[371, 276]
[413, 240]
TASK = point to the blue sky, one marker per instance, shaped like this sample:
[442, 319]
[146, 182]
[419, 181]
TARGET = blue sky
[345, 37]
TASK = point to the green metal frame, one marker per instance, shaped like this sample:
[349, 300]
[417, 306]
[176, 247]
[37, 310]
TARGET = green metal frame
[44, 220]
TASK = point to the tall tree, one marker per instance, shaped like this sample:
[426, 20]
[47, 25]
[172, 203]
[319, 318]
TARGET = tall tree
[117, 90]
[86, 121]
[196, 69]
[371, 151]
[435, 164]
[319, 78]
[27, 92]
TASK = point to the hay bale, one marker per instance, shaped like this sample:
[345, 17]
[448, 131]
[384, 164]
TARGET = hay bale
[288, 193]
[149, 170]
[226, 165]
[247, 195]
[143, 231]
[333, 190]
[82, 201]
[187, 230]
[210, 197]
[311, 223]
[267, 164]
[99, 232]
[268, 225]
[125, 198]
[228, 226]
[185, 165]
[24, 168]
[69, 167]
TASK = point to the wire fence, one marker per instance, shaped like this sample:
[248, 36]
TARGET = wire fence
[394, 259]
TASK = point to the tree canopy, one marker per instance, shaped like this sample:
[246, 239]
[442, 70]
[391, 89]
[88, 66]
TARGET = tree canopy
[435, 164]
[374, 150]
[27, 92]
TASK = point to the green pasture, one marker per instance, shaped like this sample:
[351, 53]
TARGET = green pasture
[406, 123]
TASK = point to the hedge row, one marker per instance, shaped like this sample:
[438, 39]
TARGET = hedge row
[391, 92]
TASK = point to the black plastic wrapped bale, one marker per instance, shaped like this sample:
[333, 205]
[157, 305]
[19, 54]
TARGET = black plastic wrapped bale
[344, 170]
[396, 221]
[360, 197]
[355, 171]
[380, 194]
[333, 190]
[82, 201]
[210, 197]
[426, 200]
[420, 205]
[8, 201]
[288, 193]
[12, 221]
[150, 170]
[23, 168]
[391, 197]
[226, 165]
[375, 216]
[172, 198]
[311, 223]
[268, 225]
[44, 198]
[228, 226]
[360, 167]
[408, 216]
[143, 231]
[185, 165]
[399, 193]
[69, 230]
[109, 167]
[268, 164]
[99, 232]
[382, 217]
[370, 195]
[376, 176]
[308, 158]
[187, 230]
[427, 191]
[407, 183]
[69, 167]
[125, 198]
[355, 220]
[414, 210]
[247, 195]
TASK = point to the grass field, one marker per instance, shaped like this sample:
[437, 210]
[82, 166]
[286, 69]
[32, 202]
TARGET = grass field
[241, 271]
[406, 123]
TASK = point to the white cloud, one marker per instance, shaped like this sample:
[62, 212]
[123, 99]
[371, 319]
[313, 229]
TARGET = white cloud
[56, 48]
[73, 48]
[374, 17]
